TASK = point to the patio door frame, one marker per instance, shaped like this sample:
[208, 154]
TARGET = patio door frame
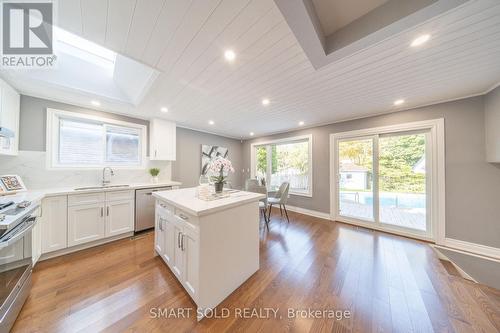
[435, 178]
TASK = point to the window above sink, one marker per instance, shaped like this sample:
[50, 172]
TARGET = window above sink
[81, 141]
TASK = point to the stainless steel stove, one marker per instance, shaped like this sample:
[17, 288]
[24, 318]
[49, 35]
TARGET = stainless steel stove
[16, 221]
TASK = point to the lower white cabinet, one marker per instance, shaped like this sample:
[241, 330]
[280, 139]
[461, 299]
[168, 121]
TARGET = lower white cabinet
[54, 223]
[177, 242]
[96, 216]
[119, 217]
[36, 242]
[85, 223]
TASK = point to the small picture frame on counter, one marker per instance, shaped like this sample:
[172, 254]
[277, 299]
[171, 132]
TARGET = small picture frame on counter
[11, 184]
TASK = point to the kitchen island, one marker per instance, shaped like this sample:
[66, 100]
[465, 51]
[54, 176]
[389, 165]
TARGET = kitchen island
[212, 247]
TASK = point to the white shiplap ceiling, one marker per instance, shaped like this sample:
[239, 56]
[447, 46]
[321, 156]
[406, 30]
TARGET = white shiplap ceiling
[186, 40]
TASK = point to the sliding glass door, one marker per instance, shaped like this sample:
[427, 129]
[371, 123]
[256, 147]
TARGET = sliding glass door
[356, 178]
[402, 180]
[382, 180]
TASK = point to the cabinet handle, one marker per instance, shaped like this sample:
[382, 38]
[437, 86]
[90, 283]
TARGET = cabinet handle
[102, 211]
[107, 211]
[184, 217]
[179, 240]
[160, 224]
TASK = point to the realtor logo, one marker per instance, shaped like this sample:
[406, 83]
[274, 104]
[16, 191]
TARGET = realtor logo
[27, 34]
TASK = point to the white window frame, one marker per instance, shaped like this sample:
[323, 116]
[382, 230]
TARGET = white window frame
[308, 138]
[52, 144]
[436, 177]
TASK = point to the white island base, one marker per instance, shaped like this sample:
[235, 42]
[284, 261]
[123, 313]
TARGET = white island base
[212, 247]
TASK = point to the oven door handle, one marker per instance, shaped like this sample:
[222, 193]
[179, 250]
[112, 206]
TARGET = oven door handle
[18, 234]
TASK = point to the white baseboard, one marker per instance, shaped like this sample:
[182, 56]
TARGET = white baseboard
[443, 257]
[72, 249]
[325, 216]
[474, 249]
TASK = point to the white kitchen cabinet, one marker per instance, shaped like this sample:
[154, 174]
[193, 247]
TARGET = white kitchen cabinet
[54, 223]
[189, 248]
[162, 140]
[159, 231]
[176, 241]
[9, 118]
[86, 223]
[119, 217]
[178, 261]
[99, 215]
[215, 243]
[36, 242]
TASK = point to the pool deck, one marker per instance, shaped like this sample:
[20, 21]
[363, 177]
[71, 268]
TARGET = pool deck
[403, 217]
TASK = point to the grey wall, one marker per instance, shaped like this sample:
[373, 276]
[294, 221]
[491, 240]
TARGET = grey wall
[472, 184]
[492, 123]
[187, 167]
[33, 120]
[482, 270]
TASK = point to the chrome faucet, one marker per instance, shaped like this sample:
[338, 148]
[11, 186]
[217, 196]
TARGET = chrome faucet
[111, 173]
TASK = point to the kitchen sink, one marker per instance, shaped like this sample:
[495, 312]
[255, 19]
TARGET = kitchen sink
[99, 187]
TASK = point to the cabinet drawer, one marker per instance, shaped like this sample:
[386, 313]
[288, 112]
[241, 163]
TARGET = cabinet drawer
[85, 199]
[190, 221]
[165, 206]
[120, 195]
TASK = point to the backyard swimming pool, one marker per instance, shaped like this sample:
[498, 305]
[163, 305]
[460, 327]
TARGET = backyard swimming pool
[387, 199]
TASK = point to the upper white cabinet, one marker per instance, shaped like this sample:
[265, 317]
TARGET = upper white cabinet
[492, 126]
[9, 118]
[162, 140]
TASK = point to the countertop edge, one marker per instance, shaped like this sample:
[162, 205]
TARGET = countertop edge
[209, 210]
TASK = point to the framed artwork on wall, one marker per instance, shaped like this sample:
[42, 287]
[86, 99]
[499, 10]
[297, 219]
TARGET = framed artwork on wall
[208, 153]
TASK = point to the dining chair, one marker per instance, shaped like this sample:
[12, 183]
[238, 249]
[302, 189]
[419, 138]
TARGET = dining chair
[263, 202]
[280, 198]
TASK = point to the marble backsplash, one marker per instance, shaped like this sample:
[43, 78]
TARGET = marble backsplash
[32, 167]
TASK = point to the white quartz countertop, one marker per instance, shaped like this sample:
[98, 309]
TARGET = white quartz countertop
[186, 200]
[50, 192]
[35, 196]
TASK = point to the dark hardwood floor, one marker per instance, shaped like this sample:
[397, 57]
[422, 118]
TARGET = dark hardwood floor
[388, 283]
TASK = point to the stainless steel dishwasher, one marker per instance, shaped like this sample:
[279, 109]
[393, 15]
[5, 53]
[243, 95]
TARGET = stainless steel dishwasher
[145, 208]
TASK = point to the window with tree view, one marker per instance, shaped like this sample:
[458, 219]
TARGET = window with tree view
[82, 141]
[285, 161]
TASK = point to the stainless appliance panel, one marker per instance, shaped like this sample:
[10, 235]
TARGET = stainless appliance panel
[15, 270]
[145, 208]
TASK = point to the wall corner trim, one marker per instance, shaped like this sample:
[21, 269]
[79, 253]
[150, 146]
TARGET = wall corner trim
[473, 249]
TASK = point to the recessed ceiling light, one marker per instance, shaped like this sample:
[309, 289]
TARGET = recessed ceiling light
[399, 102]
[420, 40]
[211, 122]
[265, 101]
[229, 55]
[251, 133]
[301, 123]
[95, 103]
[164, 109]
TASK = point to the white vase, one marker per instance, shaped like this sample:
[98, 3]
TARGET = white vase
[155, 180]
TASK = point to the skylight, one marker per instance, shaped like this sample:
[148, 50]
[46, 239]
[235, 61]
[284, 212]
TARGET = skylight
[84, 49]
